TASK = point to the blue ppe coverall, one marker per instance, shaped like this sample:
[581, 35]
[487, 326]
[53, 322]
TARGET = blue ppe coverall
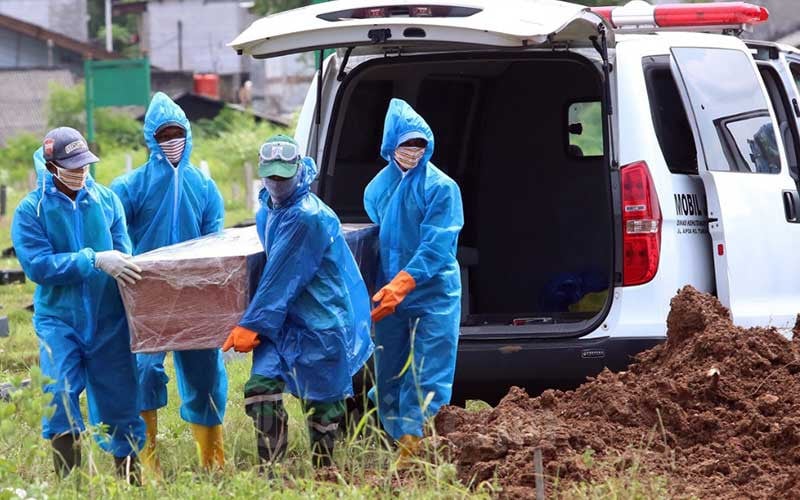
[79, 318]
[311, 309]
[420, 215]
[165, 205]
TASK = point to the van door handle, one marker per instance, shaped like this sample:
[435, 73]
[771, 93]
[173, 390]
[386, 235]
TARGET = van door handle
[791, 202]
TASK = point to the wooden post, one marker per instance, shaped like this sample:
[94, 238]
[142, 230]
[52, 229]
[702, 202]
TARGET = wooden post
[539, 473]
[128, 162]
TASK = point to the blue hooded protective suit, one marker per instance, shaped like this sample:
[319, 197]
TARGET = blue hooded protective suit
[166, 205]
[311, 309]
[79, 317]
[420, 216]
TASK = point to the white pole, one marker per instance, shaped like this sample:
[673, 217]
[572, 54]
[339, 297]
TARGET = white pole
[109, 40]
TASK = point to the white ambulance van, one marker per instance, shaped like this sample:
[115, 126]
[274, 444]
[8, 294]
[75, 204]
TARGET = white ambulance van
[606, 158]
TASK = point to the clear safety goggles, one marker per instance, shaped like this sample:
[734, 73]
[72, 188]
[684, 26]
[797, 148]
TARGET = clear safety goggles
[273, 151]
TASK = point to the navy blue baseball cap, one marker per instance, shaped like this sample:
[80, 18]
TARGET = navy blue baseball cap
[67, 148]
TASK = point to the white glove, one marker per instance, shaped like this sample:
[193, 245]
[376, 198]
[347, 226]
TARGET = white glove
[119, 266]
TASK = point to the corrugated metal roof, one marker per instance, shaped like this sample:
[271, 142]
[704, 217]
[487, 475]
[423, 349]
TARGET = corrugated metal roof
[23, 99]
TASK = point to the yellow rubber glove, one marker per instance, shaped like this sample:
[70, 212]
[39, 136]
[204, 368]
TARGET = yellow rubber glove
[242, 340]
[392, 295]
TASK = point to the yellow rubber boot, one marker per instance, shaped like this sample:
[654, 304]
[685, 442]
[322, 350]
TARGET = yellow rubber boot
[209, 444]
[148, 454]
[409, 448]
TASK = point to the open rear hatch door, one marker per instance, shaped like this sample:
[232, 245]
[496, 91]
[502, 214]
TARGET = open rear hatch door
[381, 26]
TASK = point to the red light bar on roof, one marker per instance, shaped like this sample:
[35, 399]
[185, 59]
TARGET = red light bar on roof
[695, 15]
[710, 14]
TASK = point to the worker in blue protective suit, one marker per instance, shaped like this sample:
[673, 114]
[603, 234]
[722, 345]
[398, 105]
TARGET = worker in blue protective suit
[308, 324]
[71, 240]
[419, 211]
[167, 201]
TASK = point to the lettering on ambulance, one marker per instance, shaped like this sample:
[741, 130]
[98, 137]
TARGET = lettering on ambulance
[691, 214]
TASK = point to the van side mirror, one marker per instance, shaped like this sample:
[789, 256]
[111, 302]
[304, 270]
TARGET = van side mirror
[576, 128]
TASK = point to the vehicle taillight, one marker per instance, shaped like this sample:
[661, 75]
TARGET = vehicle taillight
[420, 11]
[641, 221]
[375, 12]
[400, 11]
[639, 14]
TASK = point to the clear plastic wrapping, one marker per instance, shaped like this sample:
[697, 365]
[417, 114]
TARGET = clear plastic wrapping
[193, 293]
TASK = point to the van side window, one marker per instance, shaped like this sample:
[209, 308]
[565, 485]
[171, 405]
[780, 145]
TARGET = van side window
[784, 113]
[730, 109]
[795, 73]
[585, 129]
[669, 116]
[751, 138]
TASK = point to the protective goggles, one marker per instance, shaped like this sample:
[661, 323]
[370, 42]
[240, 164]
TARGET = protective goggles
[284, 151]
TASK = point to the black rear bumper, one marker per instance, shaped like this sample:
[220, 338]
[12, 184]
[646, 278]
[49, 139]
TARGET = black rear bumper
[486, 369]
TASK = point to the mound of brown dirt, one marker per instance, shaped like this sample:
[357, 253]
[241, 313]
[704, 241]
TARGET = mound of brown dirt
[715, 410]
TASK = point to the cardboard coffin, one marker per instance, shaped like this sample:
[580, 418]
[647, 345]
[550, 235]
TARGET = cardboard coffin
[193, 293]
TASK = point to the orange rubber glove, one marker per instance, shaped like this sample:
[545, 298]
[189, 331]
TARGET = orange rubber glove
[391, 295]
[242, 340]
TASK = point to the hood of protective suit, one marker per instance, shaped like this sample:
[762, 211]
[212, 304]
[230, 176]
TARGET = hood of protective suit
[163, 110]
[39, 163]
[308, 174]
[401, 124]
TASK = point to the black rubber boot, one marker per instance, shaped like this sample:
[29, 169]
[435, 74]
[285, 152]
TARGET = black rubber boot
[128, 469]
[322, 449]
[66, 454]
[264, 404]
[272, 431]
[323, 429]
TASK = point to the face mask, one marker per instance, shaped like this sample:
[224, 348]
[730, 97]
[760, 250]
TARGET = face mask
[173, 149]
[280, 191]
[74, 179]
[408, 156]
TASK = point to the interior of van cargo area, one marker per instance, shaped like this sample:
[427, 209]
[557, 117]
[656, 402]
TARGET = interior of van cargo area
[524, 139]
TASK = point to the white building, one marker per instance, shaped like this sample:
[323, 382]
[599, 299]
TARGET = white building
[67, 17]
[192, 35]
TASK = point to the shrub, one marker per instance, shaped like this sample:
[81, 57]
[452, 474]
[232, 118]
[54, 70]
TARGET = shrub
[67, 108]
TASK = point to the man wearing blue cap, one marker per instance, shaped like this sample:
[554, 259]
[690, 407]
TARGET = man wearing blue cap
[167, 200]
[71, 240]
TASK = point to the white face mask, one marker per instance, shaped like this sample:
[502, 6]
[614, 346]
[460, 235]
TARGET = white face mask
[408, 157]
[173, 149]
[74, 179]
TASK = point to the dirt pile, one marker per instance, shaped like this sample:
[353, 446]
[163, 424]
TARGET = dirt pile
[715, 410]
